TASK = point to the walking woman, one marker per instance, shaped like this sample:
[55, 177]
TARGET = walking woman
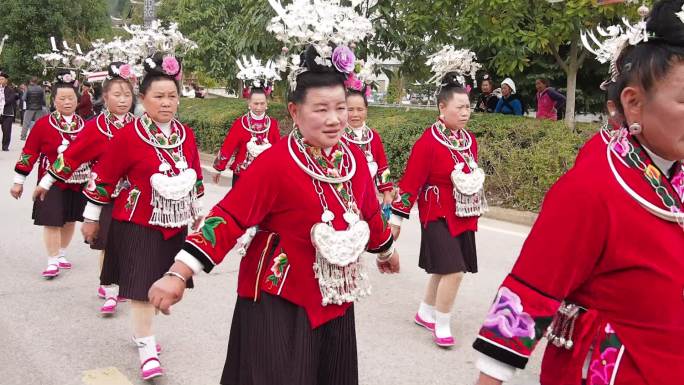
[88, 148]
[600, 275]
[255, 132]
[62, 204]
[442, 175]
[158, 157]
[368, 140]
[314, 202]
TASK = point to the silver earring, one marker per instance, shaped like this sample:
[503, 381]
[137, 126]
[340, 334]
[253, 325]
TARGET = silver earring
[612, 114]
[635, 129]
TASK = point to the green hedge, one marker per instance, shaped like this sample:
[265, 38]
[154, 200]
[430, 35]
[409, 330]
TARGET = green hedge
[521, 156]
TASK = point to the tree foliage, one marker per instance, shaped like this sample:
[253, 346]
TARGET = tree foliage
[30, 23]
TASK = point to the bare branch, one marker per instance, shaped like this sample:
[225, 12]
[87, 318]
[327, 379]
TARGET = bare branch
[559, 59]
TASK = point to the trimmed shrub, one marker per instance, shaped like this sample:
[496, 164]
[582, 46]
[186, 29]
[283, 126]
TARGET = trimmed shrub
[522, 157]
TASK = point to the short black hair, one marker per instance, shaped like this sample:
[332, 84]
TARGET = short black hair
[362, 94]
[647, 63]
[450, 86]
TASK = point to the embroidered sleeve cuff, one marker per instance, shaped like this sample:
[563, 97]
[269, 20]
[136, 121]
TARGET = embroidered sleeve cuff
[92, 211]
[385, 187]
[190, 261]
[19, 178]
[395, 220]
[199, 255]
[399, 213]
[493, 368]
[383, 247]
[47, 181]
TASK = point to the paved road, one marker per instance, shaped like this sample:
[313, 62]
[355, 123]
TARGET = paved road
[51, 333]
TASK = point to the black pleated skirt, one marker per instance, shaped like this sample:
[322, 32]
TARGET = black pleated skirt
[136, 256]
[59, 207]
[442, 253]
[105, 222]
[272, 343]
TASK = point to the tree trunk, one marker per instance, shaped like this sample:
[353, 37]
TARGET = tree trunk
[571, 72]
[149, 12]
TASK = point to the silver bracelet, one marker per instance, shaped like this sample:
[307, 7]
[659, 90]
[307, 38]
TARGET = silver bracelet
[86, 220]
[174, 274]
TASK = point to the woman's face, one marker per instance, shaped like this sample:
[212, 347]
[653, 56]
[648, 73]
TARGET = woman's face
[65, 101]
[322, 116]
[258, 104]
[660, 113]
[456, 111]
[358, 112]
[486, 86]
[506, 91]
[161, 100]
[118, 98]
[539, 85]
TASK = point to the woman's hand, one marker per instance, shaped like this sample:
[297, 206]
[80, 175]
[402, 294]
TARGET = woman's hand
[391, 266]
[197, 223]
[168, 290]
[90, 231]
[216, 177]
[39, 193]
[387, 197]
[16, 190]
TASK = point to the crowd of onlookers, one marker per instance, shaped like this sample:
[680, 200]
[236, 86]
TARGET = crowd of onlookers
[506, 100]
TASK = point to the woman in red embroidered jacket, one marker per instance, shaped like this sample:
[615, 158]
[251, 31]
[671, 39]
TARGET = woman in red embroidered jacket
[600, 275]
[314, 202]
[63, 204]
[443, 176]
[248, 137]
[367, 139]
[158, 157]
[88, 148]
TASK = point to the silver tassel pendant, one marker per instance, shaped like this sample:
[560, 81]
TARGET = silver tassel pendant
[339, 284]
[81, 175]
[470, 205]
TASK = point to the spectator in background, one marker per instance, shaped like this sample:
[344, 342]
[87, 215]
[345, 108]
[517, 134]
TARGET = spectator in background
[85, 104]
[549, 101]
[8, 102]
[34, 103]
[21, 105]
[510, 103]
[98, 99]
[488, 100]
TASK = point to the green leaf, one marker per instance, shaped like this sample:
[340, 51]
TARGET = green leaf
[101, 191]
[213, 222]
[209, 235]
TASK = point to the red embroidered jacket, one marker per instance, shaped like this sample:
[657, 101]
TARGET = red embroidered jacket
[41, 146]
[129, 156]
[237, 139]
[427, 179]
[377, 149]
[593, 245]
[279, 197]
[89, 146]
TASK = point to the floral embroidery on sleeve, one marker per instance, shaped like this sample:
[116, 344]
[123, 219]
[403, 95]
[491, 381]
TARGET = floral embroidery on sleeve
[507, 318]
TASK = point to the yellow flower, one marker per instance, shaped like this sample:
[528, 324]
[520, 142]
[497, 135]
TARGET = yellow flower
[652, 172]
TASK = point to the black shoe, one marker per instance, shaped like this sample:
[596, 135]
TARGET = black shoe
[5, 149]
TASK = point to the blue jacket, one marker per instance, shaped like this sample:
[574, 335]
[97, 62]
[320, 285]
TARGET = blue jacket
[510, 106]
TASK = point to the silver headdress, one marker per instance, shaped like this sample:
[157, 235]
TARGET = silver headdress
[448, 59]
[324, 24]
[616, 39]
[255, 74]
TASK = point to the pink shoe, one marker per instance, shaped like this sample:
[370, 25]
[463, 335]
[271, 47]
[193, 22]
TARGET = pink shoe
[51, 271]
[103, 294]
[109, 307]
[427, 325]
[444, 342]
[64, 263]
[151, 373]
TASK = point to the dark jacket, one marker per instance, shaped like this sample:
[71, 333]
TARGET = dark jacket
[486, 103]
[10, 101]
[34, 97]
